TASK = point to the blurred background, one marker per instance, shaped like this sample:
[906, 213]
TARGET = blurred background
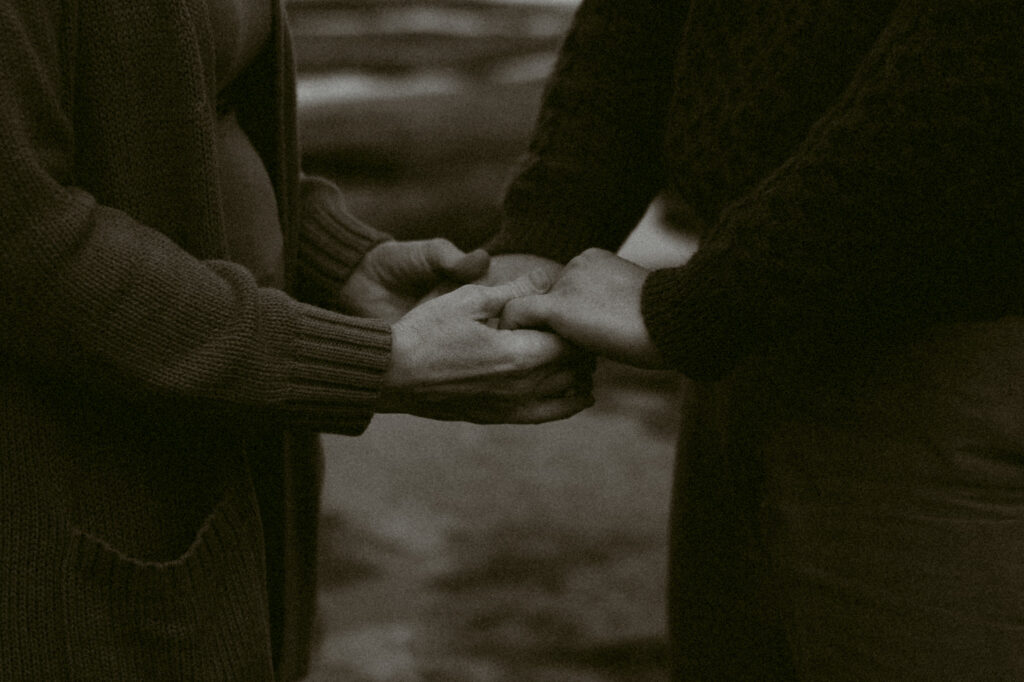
[455, 552]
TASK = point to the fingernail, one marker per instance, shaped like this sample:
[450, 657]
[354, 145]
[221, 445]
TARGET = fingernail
[540, 279]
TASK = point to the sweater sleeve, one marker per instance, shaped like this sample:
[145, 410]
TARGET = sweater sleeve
[594, 162]
[88, 292]
[332, 241]
[901, 206]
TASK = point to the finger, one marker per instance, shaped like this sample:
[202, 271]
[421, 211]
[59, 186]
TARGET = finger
[531, 349]
[541, 411]
[469, 267]
[563, 383]
[493, 299]
[445, 260]
[526, 312]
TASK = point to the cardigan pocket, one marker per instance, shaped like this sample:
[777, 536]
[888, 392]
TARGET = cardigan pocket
[200, 616]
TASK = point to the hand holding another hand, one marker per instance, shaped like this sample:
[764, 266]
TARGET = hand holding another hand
[448, 364]
[503, 268]
[595, 304]
[506, 267]
[393, 276]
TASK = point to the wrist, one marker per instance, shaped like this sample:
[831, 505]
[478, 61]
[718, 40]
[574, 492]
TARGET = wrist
[397, 377]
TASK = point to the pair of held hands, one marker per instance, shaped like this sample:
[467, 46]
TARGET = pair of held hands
[535, 365]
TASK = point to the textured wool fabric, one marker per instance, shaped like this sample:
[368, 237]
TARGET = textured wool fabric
[157, 407]
[240, 29]
[858, 174]
[252, 230]
[857, 166]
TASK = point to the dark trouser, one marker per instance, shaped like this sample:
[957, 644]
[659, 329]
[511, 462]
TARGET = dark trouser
[862, 522]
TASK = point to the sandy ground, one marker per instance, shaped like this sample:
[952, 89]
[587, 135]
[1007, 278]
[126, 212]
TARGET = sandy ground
[491, 553]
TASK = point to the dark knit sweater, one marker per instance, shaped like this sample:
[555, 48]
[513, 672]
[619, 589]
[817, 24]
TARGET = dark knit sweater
[858, 170]
[157, 408]
[859, 166]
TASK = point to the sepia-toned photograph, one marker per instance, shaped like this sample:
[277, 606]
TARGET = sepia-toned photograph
[511, 341]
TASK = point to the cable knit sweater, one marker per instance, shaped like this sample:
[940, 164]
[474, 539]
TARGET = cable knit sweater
[157, 408]
[858, 165]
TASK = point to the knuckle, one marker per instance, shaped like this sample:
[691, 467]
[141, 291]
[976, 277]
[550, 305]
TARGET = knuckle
[527, 353]
[517, 363]
[382, 251]
[438, 245]
[474, 292]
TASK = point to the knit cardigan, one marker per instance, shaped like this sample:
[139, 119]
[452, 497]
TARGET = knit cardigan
[158, 462]
[858, 168]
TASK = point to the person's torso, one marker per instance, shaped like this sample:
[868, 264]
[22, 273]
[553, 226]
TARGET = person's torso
[143, 85]
[751, 79]
[241, 30]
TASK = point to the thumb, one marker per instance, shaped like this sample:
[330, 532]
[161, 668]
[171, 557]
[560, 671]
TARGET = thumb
[525, 312]
[532, 284]
[447, 260]
[469, 267]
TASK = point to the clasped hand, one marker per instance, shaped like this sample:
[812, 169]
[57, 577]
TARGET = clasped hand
[447, 362]
[595, 304]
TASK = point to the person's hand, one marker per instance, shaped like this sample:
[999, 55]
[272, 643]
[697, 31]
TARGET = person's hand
[393, 276]
[446, 363]
[595, 303]
[505, 267]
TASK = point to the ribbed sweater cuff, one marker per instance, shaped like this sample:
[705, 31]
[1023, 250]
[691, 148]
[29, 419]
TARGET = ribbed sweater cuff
[702, 321]
[331, 244]
[335, 370]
